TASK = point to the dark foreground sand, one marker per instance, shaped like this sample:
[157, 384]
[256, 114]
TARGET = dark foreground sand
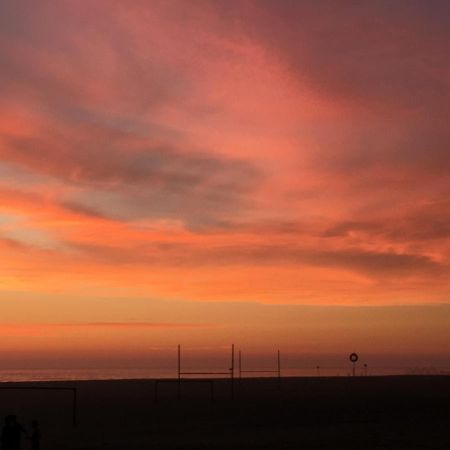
[307, 413]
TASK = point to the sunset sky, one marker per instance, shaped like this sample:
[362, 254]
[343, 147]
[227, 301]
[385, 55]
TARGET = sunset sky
[270, 173]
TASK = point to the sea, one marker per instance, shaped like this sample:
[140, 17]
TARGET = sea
[129, 373]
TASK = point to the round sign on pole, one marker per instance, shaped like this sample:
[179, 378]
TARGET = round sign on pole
[353, 358]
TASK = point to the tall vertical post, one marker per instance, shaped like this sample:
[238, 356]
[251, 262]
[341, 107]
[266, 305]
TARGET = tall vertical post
[179, 373]
[354, 358]
[279, 368]
[232, 371]
[240, 364]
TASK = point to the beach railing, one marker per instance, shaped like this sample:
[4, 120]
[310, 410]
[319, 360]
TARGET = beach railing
[181, 374]
[276, 371]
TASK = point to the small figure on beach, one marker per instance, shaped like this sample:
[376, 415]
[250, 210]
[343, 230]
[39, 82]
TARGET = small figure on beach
[35, 435]
[11, 433]
[17, 432]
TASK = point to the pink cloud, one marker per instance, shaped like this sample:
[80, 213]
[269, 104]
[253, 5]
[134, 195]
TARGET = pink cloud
[288, 136]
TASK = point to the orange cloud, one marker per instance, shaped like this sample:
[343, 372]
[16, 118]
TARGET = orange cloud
[223, 152]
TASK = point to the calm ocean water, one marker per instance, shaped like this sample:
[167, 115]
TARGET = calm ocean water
[149, 373]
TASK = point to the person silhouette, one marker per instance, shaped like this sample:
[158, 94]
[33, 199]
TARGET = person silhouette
[35, 435]
[16, 433]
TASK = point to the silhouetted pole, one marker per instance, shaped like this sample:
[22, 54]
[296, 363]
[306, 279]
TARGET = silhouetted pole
[365, 370]
[318, 370]
[232, 371]
[240, 364]
[354, 358]
[179, 372]
[279, 368]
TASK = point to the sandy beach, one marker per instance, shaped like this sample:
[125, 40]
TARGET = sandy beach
[305, 413]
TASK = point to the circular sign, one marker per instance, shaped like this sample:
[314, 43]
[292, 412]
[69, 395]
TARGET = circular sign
[353, 357]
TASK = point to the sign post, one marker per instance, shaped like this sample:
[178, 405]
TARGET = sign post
[354, 358]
